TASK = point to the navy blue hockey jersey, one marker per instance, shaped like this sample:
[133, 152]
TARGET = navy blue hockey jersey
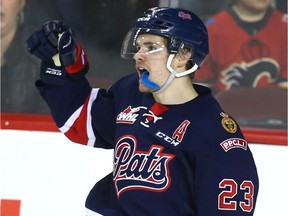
[170, 160]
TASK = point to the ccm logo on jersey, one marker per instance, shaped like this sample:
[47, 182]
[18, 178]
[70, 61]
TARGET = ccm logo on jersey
[177, 135]
[234, 143]
[167, 138]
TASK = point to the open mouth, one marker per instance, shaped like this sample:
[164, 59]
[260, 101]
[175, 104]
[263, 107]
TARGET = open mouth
[144, 76]
[141, 70]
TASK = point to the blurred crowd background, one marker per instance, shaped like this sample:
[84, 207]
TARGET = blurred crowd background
[101, 25]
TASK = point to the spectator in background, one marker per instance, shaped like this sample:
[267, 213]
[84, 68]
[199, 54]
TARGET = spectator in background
[248, 47]
[18, 69]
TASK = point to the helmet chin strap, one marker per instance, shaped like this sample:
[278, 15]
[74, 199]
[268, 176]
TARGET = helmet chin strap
[171, 76]
[174, 73]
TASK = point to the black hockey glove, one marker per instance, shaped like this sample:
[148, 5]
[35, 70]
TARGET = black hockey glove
[61, 55]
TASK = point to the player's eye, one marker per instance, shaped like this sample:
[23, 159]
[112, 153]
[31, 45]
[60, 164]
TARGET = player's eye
[150, 48]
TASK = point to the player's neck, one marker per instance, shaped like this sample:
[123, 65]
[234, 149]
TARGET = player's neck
[248, 15]
[180, 91]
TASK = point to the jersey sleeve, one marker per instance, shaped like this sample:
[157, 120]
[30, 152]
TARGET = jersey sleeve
[226, 179]
[71, 107]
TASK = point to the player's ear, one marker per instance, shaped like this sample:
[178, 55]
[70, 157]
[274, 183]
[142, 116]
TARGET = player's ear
[183, 56]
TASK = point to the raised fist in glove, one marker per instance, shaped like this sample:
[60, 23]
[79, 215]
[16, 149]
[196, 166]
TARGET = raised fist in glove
[61, 55]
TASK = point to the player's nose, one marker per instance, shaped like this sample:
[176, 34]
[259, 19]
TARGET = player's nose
[139, 55]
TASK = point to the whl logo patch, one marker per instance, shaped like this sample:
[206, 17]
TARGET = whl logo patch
[140, 170]
[129, 115]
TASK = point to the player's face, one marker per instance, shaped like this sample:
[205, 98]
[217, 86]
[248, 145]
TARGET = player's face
[151, 56]
[255, 5]
[9, 15]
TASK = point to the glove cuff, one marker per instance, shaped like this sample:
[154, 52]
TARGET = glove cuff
[80, 64]
[51, 74]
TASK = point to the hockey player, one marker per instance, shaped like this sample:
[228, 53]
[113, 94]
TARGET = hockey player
[176, 152]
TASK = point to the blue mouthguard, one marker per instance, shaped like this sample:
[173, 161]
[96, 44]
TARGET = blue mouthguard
[148, 83]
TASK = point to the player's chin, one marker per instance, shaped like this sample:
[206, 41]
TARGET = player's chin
[143, 88]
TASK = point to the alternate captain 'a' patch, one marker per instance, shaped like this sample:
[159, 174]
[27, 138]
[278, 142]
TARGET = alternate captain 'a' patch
[228, 123]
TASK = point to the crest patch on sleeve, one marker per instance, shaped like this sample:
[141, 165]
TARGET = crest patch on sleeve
[228, 123]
